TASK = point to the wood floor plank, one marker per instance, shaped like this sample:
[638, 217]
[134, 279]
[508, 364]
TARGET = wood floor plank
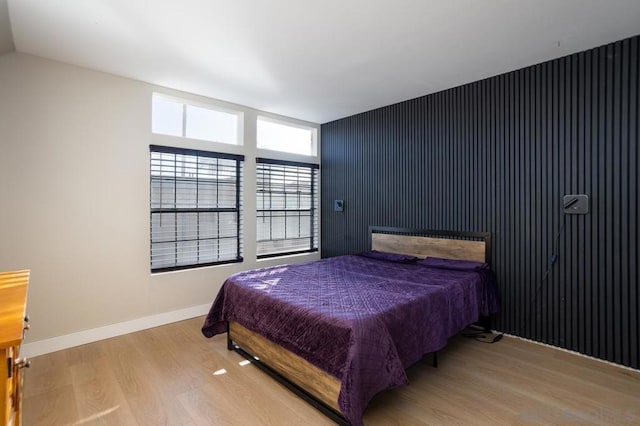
[151, 391]
[99, 398]
[582, 388]
[166, 376]
[137, 382]
[46, 377]
[83, 353]
[54, 408]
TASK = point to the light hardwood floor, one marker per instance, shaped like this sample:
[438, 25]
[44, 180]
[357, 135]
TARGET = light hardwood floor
[165, 376]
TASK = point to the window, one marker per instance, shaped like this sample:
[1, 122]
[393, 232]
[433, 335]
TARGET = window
[287, 207]
[196, 212]
[277, 136]
[180, 119]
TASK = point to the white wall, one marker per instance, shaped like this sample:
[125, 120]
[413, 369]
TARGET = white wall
[74, 188]
[6, 35]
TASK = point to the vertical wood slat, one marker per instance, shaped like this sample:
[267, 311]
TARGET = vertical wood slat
[498, 155]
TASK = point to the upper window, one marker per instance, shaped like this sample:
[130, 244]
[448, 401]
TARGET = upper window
[287, 207]
[277, 136]
[185, 120]
[196, 212]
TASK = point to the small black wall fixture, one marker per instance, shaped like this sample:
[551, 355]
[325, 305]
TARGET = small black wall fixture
[576, 204]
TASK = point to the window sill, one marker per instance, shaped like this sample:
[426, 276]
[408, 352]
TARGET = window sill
[289, 258]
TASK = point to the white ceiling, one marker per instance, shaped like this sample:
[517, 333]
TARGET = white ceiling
[315, 60]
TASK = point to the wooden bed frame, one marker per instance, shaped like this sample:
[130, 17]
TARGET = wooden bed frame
[314, 385]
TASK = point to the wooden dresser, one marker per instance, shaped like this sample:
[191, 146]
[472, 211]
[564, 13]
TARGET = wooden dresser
[13, 324]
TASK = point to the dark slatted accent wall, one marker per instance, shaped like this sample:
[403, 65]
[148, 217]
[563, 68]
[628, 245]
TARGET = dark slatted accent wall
[498, 155]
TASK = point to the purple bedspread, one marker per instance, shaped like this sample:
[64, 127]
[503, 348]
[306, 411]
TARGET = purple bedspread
[362, 320]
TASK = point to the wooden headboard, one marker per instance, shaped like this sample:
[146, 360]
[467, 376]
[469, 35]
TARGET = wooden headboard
[422, 243]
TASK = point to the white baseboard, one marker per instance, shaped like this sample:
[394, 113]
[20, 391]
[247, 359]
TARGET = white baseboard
[54, 344]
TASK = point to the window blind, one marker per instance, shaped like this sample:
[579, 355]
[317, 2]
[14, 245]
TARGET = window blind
[287, 207]
[196, 210]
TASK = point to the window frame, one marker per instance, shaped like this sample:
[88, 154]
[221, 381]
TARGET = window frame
[188, 102]
[313, 130]
[238, 210]
[314, 209]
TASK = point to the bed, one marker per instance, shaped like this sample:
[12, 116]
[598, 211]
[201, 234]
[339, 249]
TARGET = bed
[339, 330]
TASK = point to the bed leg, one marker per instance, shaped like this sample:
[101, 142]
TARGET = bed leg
[229, 344]
[485, 323]
[435, 360]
